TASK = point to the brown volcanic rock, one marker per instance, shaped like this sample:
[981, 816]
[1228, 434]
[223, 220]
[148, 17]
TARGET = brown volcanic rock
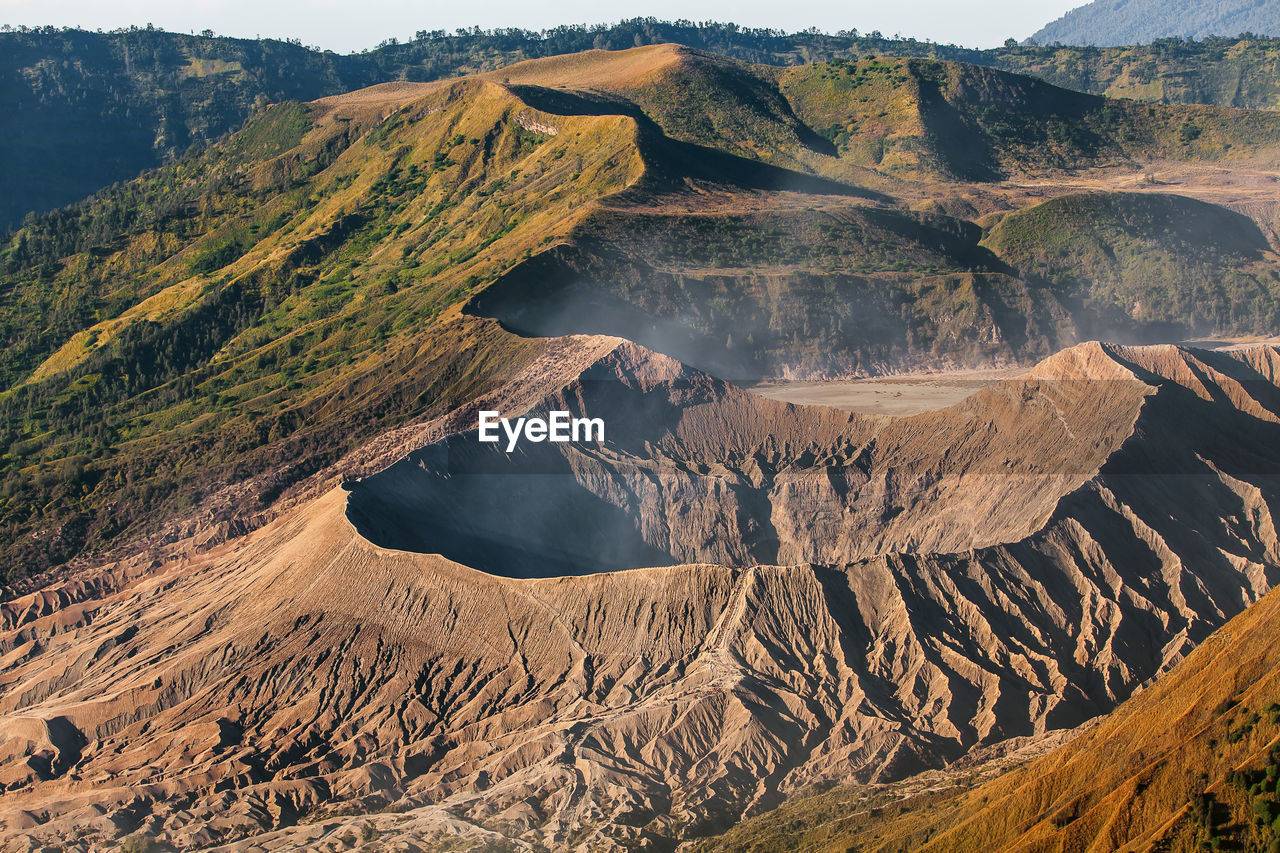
[1048, 546]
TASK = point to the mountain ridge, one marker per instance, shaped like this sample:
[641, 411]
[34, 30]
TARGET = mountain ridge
[267, 588]
[1107, 23]
[138, 98]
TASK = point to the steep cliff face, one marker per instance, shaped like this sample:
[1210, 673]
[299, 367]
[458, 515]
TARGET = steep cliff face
[777, 320]
[253, 693]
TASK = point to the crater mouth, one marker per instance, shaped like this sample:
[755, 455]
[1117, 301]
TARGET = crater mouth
[695, 470]
[547, 511]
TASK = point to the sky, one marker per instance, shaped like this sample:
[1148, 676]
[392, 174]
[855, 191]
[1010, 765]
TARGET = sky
[352, 25]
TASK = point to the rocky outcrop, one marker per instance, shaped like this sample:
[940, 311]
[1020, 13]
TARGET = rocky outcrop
[1016, 563]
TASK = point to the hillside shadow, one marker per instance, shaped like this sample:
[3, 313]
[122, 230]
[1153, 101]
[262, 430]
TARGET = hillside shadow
[518, 515]
[672, 161]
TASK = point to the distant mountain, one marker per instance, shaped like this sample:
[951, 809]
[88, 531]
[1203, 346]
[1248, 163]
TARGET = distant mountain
[1120, 22]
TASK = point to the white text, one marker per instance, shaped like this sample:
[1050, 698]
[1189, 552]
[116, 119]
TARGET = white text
[557, 427]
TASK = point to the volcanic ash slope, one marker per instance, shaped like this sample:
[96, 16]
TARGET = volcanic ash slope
[784, 595]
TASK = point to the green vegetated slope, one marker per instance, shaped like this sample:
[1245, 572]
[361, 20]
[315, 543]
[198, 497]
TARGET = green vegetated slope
[1141, 21]
[89, 109]
[1192, 763]
[691, 95]
[929, 119]
[904, 118]
[1151, 257]
[260, 308]
[1224, 72]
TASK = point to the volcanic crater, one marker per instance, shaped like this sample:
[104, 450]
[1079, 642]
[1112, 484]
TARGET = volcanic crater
[697, 470]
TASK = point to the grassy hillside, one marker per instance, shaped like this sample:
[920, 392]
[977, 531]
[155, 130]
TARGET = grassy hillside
[690, 95]
[1110, 22]
[1190, 764]
[1152, 257]
[858, 121]
[91, 109]
[267, 304]
[927, 119]
[1224, 72]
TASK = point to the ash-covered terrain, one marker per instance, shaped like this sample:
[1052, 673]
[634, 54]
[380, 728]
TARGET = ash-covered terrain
[801, 595]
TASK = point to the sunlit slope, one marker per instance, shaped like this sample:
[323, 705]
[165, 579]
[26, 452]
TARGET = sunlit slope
[281, 293]
[899, 117]
[691, 95]
[427, 181]
[1189, 763]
